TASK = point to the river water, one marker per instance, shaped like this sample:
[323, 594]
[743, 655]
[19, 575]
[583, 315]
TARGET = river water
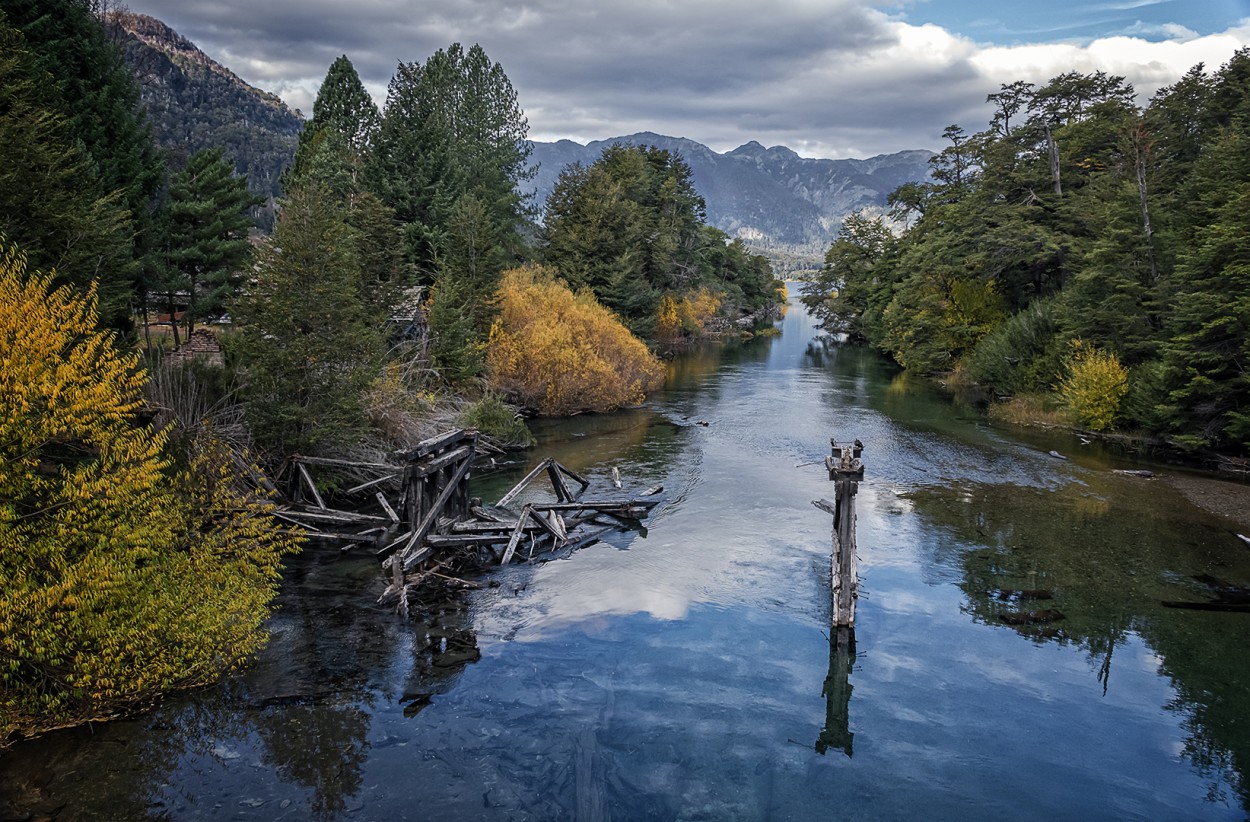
[684, 671]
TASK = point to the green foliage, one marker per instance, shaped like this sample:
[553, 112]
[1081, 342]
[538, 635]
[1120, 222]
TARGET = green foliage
[1020, 355]
[205, 234]
[344, 116]
[460, 308]
[1209, 347]
[1077, 216]
[451, 127]
[630, 228]
[559, 353]
[499, 421]
[1092, 386]
[306, 346]
[120, 581]
[51, 200]
[847, 293]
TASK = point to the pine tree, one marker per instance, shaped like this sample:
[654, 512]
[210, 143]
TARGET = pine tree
[99, 99]
[344, 115]
[307, 348]
[333, 150]
[206, 234]
[451, 127]
[50, 200]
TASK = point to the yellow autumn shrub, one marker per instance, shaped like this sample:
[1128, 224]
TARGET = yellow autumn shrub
[1093, 385]
[687, 316]
[120, 577]
[559, 353]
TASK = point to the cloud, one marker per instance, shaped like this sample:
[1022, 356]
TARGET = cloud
[830, 78]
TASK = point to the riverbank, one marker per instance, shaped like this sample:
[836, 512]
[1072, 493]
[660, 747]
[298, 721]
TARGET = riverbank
[1227, 499]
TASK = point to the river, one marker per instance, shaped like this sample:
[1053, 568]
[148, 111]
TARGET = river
[683, 670]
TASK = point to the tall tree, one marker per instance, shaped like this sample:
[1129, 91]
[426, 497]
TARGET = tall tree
[343, 114]
[451, 126]
[206, 230]
[333, 150]
[307, 345]
[99, 98]
[49, 202]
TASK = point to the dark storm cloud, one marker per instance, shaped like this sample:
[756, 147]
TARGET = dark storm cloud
[827, 77]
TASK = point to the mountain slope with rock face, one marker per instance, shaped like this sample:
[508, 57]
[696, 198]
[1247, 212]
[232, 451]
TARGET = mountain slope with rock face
[194, 103]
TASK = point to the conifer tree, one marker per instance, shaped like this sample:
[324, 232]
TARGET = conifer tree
[49, 201]
[98, 97]
[451, 126]
[307, 346]
[206, 228]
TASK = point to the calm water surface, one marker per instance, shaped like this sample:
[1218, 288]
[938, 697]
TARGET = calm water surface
[684, 671]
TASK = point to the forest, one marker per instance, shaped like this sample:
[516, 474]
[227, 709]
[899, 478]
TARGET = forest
[1082, 260]
[406, 287]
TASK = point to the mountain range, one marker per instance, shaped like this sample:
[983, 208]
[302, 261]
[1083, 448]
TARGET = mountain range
[781, 205]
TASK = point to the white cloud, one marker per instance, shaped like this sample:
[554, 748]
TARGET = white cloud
[838, 79]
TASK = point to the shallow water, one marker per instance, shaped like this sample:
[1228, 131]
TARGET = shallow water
[684, 670]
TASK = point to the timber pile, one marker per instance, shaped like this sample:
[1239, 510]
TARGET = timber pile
[435, 525]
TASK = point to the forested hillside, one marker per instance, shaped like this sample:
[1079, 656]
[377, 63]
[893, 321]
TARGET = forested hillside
[1080, 255]
[194, 103]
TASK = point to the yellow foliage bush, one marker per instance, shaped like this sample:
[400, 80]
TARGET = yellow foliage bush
[685, 317]
[559, 353]
[121, 577]
[1093, 385]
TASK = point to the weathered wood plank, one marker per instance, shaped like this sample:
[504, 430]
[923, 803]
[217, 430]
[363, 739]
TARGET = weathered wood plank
[386, 506]
[516, 535]
[520, 486]
[442, 461]
[432, 515]
[312, 487]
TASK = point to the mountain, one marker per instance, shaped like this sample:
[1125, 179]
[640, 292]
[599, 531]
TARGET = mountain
[782, 205]
[195, 103]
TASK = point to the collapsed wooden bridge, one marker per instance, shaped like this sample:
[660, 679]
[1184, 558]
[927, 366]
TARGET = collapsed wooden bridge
[436, 517]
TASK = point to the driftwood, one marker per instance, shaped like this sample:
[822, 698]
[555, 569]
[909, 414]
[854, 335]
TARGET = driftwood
[437, 524]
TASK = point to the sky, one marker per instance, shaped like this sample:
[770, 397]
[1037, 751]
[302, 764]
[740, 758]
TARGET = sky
[828, 78]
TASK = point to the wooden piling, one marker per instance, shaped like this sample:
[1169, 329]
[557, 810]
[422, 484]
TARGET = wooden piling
[845, 470]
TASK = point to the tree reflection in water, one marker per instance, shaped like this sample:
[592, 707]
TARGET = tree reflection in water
[1067, 566]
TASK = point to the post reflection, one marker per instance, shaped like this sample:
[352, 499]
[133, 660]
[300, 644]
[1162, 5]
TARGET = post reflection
[837, 693]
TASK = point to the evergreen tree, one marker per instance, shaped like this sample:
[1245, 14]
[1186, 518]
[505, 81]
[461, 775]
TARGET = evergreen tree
[99, 99]
[50, 202]
[451, 127]
[307, 347]
[332, 152]
[344, 115]
[206, 234]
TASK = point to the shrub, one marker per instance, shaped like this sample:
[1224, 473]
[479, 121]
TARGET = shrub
[1093, 386]
[123, 578]
[499, 421]
[560, 353]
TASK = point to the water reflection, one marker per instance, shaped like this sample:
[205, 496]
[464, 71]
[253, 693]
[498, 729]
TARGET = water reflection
[837, 693]
[1089, 565]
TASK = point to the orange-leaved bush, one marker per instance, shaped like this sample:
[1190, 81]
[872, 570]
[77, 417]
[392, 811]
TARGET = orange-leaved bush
[122, 577]
[557, 352]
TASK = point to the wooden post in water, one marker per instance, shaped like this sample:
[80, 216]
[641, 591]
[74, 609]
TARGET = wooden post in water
[846, 469]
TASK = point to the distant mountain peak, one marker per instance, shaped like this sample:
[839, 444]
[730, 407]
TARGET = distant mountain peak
[158, 36]
[781, 204]
[193, 102]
